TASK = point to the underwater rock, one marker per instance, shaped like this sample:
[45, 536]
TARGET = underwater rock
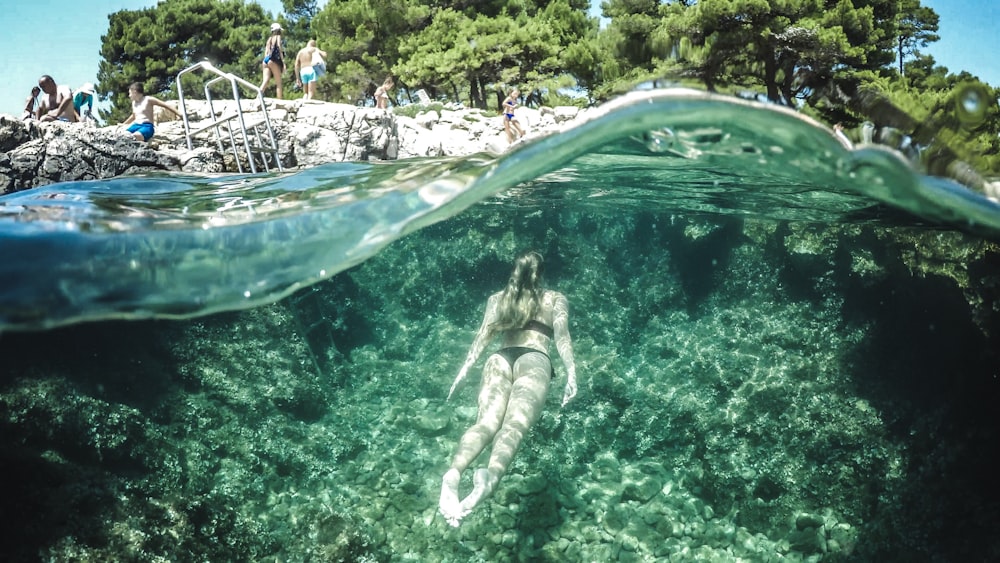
[804, 521]
[532, 484]
[431, 424]
[641, 490]
[809, 540]
[641, 482]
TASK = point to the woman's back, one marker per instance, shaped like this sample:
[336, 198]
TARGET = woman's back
[539, 331]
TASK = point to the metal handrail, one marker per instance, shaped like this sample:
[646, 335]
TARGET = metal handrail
[235, 82]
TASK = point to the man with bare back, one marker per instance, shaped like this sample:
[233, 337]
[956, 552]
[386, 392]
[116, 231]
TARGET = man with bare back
[57, 103]
[305, 71]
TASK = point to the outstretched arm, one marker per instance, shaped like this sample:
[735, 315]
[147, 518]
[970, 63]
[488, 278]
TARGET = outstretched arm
[482, 339]
[157, 102]
[560, 325]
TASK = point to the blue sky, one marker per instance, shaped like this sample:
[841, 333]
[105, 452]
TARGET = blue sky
[35, 44]
[969, 39]
[70, 50]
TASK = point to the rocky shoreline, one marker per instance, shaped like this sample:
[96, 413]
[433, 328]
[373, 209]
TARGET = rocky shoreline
[309, 133]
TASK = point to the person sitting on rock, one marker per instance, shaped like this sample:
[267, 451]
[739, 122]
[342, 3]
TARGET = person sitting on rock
[57, 103]
[515, 380]
[141, 119]
[31, 103]
[305, 70]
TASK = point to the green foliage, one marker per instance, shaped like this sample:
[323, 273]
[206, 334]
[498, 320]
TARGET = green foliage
[347, 83]
[362, 37]
[411, 110]
[916, 28]
[482, 54]
[823, 53]
[956, 117]
[780, 46]
[298, 21]
[153, 45]
[467, 51]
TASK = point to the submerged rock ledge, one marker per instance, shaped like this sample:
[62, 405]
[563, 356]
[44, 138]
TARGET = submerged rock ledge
[308, 132]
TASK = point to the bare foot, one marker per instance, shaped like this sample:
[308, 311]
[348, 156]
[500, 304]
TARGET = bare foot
[449, 506]
[483, 482]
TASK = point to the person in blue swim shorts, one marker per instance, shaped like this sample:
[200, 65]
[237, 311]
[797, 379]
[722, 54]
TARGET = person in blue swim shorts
[306, 72]
[510, 122]
[141, 119]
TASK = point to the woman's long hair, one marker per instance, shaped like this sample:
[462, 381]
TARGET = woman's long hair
[522, 298]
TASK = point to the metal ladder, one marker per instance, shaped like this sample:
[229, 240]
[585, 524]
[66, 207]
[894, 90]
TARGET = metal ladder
[266, 148]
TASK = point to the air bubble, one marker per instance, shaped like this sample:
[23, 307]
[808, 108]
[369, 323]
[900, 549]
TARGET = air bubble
[661, 140]
[971, 101]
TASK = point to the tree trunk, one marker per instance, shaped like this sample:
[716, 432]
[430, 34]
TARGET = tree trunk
[900, 49]
[787, 80]
[771, 75]
[476, 94]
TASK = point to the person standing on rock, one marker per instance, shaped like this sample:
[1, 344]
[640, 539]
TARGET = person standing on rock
[509, 119]
[141, 119]
[382, 93]
[57, 103]
[274, 60]
[305, 71]
[515, 380]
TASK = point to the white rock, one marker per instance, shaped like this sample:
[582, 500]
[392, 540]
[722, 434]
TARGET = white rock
[565, 113]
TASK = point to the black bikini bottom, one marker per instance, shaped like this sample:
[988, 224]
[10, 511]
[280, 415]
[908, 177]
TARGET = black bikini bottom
[512, 353]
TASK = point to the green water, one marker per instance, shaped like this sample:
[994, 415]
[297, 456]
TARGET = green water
[762, 378]
[736, 377]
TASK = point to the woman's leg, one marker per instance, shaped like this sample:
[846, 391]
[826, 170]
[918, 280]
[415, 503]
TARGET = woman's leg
[266, 78]
[532, 373]
[493, 398]
[276, 71]
[517, 125]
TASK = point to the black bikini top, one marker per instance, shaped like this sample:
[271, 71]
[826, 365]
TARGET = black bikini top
[539, 326]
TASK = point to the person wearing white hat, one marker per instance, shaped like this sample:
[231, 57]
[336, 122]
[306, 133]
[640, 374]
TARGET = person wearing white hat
[84, 95]
[274, 59]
